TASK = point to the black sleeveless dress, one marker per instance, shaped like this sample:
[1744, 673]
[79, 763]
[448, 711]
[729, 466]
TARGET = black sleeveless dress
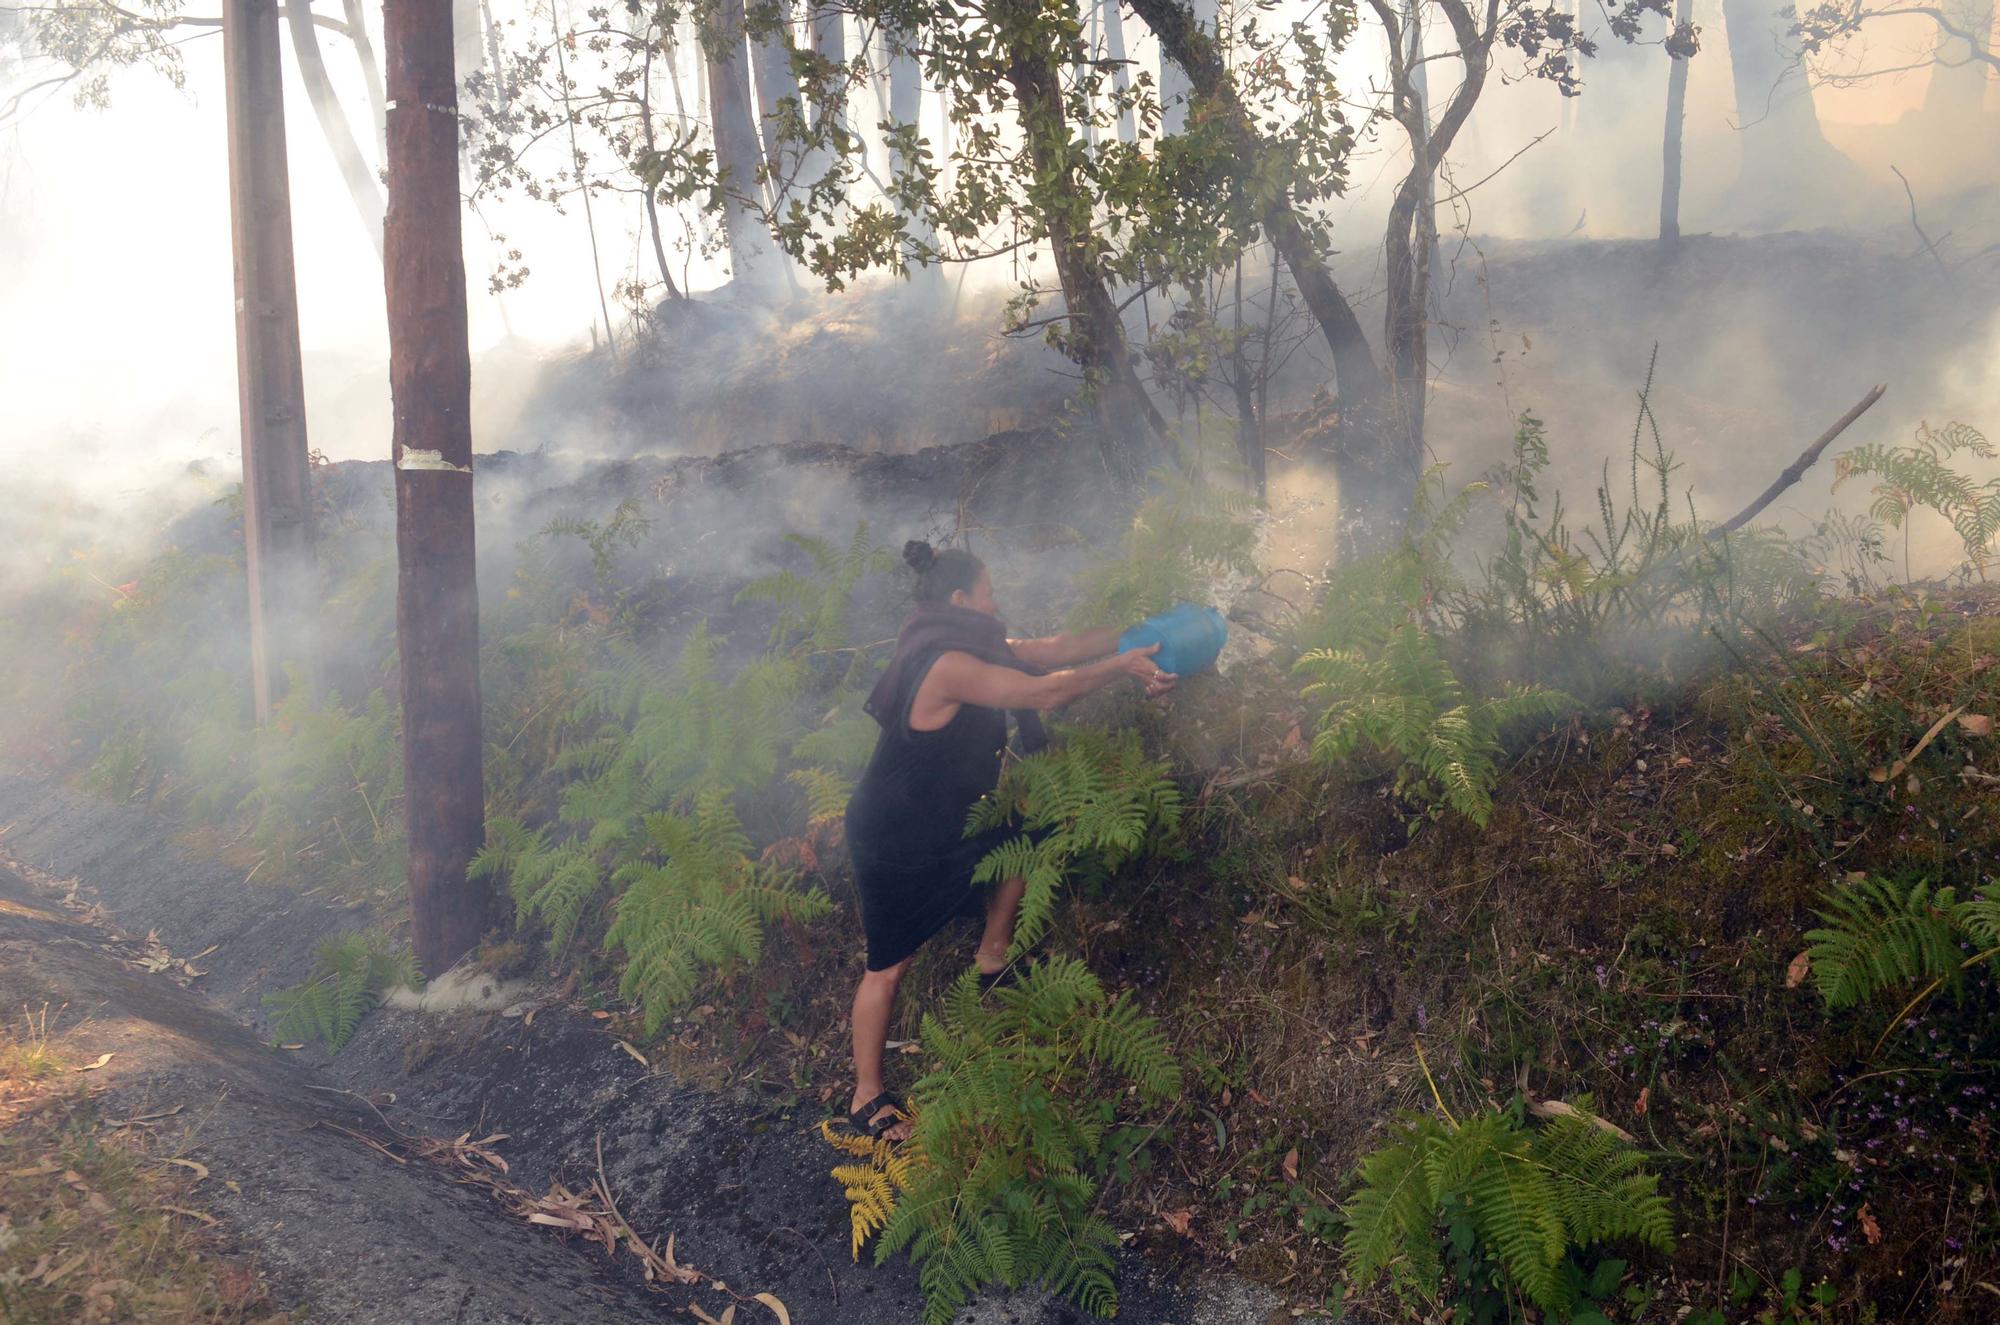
[906, 824]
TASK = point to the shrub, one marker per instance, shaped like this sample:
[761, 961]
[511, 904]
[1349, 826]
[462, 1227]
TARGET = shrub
[993, 1186]
[1092, 805]
[1510, 1207]
[350, 974]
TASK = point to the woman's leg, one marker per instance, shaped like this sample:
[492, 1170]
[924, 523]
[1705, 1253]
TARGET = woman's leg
[1002, 904]
[874, 1001]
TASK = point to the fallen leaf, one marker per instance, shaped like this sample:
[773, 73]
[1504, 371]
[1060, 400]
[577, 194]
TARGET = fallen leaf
[291, 1046]
[210, 1220]
[92, 1067]
[643, 1060]
[1179, 1220]
[65, 1268]
[1290, 1166]
[1560, 1109]
[600, 1015]
[1896, 769]
[1645, 1098]
[777, 1308]
[1869, 1228]
[728, 1317]
[1800, 968]
[41, 1170]
[528, 1017]
[1976, 724]
[200, 1171]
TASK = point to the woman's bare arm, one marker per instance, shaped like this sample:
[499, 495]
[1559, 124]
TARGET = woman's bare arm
[1071, 647]
[960, 678]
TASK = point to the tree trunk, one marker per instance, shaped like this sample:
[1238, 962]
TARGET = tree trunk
[737, 149]
[775, 83]
[361, 184]
[1670, 172]
[1200, 58]
[277, 474]
[1956, 97]
[1113, 16]
[1095, 339]
[430, 382]
[1175, 84]
[1783, 148]
[646, 122]
[829, 41]
[371, 71]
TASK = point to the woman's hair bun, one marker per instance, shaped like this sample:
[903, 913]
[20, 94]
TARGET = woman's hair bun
[919, 555]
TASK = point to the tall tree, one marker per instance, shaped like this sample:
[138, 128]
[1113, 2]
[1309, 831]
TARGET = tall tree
[738, 150]
[361, 186]
[776, 83]
[277, 483]
[430, 384]
[1175, 88]
[1679, 53]
[1129, 425]
[1784, 149]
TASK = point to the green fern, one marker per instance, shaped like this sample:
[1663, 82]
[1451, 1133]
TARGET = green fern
[1880, 933]
[1092, 804]
[1920, 475]
[692, 902]
[995, 1185]
[1403, 700]
[552, 883]
[350, 974]
[1529, 1200]
[813, 608]
[663, 734]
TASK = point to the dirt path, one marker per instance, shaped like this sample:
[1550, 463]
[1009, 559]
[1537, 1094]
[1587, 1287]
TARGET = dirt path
[346, 1235]
[738, 1178]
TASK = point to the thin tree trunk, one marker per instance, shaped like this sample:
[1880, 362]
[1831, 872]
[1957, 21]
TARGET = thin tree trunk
[430, 381]
[1095, 337]
[1670, 166]
[1192, 50]
[277, 472]
[582, 179]
[1121, 75]
[737, 149]
[371, 70]
[1409, 241]
[361, 185]
[775, 83]
[1249, 425]
[653, 207]
[1175, 84]
[829, 42]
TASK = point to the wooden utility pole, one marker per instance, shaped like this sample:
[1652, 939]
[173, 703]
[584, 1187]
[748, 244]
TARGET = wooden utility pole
[277, 478]
[430, 384]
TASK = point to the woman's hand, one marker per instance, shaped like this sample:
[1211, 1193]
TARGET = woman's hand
[1139, 664]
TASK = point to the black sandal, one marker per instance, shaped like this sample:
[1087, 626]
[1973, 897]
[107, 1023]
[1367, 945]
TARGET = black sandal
[864, 1120]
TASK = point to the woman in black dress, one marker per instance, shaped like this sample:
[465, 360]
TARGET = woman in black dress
[943, 708]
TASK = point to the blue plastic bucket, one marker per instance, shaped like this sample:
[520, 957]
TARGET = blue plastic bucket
[1190, 638]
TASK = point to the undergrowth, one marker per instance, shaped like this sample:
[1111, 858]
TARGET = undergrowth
[995, 1184]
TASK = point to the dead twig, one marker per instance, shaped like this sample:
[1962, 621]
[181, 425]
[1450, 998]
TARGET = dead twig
[1797, 469]
[1917, 225]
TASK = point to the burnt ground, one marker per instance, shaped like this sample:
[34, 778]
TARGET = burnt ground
[344, 1232]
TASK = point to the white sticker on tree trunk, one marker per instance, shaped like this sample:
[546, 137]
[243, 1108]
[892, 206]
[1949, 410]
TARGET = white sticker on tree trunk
[414, 458]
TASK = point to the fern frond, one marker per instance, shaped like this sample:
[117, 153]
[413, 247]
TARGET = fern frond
[1879, 933]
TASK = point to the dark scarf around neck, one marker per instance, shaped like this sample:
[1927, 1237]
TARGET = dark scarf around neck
[938, 628]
